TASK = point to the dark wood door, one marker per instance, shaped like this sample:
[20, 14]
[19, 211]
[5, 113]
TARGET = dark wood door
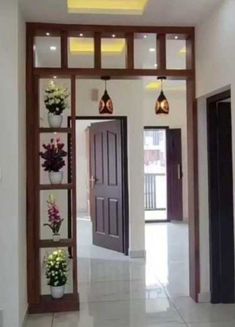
[221, 202]
[174, 175]
[106, 185]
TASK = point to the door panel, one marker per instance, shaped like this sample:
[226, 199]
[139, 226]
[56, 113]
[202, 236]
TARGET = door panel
[221, 202]
[98, 157]
[174, 175]
[112, 157]
[106, 185]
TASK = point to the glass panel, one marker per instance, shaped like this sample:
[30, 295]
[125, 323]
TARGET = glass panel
[175, 52]
[54, 140]
[81, 52]
[145, 51]
[57, 199]
[45, 288]
[113, 52]
[55, 85]
[47, 51]
[155, 170]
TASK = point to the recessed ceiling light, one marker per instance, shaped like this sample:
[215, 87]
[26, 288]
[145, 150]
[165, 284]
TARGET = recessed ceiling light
[34, 47]
[155, 65]
[81, 34]
[54, 77]
[48, 34]
[145, 36]
[176, 37]
[113, 35]
[152, 50]
[53, 48]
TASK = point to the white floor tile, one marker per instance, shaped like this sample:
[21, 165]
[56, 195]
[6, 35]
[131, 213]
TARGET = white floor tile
[117, 291]
[122, 313]
[213, 324]
[120, 290]
[204, 312]
[44, 320]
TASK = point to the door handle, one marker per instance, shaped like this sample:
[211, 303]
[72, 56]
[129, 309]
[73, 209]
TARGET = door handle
[93, 181]
[179, 174]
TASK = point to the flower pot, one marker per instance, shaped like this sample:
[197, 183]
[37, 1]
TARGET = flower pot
[56, 237]
[56, 177]
[57, 292]
[54, 121]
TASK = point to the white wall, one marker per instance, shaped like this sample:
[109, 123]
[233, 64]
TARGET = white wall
[215, 71]
[82, 163]
[12, 165]
[22, 257]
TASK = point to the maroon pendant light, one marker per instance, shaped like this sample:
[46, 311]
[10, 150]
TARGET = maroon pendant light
[162, 104]
[106, 104]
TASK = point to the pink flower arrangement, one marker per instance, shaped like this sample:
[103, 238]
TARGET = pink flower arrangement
[54, 218]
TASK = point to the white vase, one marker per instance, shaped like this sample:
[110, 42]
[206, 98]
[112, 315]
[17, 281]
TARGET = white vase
[56, 237]
[56, 177]
[57, 292]
[54, 121]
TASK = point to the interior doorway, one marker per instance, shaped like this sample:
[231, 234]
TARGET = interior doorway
[163, 176]
[221, 198]
[155, 174]
[102, 199]
[166, 233]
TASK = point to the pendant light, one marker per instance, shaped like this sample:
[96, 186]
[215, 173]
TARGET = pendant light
[106, 104]
[162, 105]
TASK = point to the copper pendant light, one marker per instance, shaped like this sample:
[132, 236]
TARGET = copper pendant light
[106, 104]
[162, 104]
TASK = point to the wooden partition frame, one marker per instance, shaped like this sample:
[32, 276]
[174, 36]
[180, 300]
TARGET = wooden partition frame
[39, 303]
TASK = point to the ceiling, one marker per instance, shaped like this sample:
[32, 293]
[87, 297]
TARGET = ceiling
[157, 13]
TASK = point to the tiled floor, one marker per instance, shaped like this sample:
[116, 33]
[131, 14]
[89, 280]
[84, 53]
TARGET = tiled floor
[116, 291]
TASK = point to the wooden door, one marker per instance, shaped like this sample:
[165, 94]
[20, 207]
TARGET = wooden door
[106, 185]
[221, 202]
[174, 175]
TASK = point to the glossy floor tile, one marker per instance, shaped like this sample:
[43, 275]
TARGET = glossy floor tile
[116, 291]
[45, 320]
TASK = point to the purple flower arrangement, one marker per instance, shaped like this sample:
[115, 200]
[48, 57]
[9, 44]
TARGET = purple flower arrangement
[53, 156]
[54, 218]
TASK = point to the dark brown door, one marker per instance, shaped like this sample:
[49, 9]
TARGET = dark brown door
[221, 201]
[174, 175]
[106, 185]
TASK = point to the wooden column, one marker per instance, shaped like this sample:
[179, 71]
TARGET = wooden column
[192, 176]
[161, 51]
[97, 58]
[130, 50]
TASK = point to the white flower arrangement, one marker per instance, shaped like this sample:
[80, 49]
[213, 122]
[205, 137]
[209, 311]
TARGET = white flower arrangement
[55, 98]
[57, 268]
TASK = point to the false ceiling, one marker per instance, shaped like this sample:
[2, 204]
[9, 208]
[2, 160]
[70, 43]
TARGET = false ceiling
[112, 7]
[155, 12]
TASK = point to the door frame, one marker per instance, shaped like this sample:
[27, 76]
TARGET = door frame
[152, 128]
[125, 192]
[214, 278]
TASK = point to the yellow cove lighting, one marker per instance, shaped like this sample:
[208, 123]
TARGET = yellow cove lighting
[153, 86]
[86, 46]
[156, 86]
[112, 7]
